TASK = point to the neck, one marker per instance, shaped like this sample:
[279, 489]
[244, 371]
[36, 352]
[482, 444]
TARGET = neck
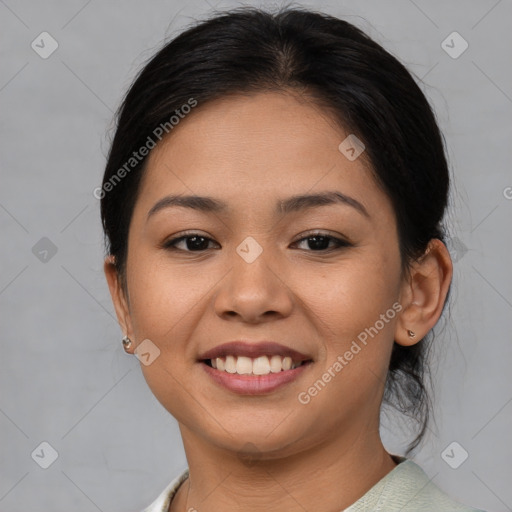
[344, 468]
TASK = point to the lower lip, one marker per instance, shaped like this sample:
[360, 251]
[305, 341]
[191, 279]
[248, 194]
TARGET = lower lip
[254, 384]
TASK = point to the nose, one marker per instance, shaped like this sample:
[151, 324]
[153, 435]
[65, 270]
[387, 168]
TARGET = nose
[254, 291]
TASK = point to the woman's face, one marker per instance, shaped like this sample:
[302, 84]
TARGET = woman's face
[260, 277]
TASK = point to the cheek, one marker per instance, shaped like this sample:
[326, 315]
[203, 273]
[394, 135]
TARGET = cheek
[162, 296]
[351, 295]
[352, 309]
[165, 308]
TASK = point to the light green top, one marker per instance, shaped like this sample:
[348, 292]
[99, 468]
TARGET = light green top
[406, 488]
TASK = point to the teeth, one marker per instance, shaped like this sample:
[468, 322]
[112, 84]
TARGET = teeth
[230, 364]
[243, 365]
[276, 363]
[262, 365]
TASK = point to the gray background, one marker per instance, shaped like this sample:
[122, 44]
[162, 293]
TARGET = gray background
[64, 377]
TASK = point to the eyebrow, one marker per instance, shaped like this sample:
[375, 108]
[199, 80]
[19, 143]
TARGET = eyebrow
[284, 206]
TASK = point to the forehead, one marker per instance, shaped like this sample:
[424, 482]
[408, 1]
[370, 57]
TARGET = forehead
[250, 148]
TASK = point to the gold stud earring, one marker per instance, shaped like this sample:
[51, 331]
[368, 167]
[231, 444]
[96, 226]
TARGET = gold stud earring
[127, 343]
[411, 334]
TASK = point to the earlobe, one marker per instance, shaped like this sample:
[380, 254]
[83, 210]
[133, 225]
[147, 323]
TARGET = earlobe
[118, 296]
[424, 294]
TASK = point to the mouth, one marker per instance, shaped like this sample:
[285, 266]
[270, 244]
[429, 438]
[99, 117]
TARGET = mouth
[255, 377]
[253, 358]
[262, 365]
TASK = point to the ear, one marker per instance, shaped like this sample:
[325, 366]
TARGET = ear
[120, 301]
[423, 293]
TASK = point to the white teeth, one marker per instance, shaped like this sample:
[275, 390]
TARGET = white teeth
[262, 365]
[243, 365]
[276, 364]
[230, 364]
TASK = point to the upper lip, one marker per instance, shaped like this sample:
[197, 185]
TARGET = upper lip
[253, 350]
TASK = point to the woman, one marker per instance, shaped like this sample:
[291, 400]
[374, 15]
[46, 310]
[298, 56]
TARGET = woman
[273, 204]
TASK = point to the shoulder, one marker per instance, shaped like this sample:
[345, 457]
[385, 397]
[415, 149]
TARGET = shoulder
[408, 488]
[162, 502]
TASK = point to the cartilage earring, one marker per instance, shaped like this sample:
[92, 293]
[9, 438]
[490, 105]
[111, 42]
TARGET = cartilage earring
[127, 343]
[411, 334]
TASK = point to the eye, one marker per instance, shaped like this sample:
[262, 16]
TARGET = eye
[193, 242]
[320, 241]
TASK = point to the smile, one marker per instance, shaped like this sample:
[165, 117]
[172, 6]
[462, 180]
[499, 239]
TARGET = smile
[262, 365]
[251, 382]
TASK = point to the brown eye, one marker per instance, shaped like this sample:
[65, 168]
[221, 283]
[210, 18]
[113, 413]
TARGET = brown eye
[192, 243]
[319, 242]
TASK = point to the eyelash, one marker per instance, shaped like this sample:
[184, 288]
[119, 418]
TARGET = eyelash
[340, 243]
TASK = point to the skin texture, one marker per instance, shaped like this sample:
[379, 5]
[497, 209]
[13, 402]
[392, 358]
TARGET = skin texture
[250, 151]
